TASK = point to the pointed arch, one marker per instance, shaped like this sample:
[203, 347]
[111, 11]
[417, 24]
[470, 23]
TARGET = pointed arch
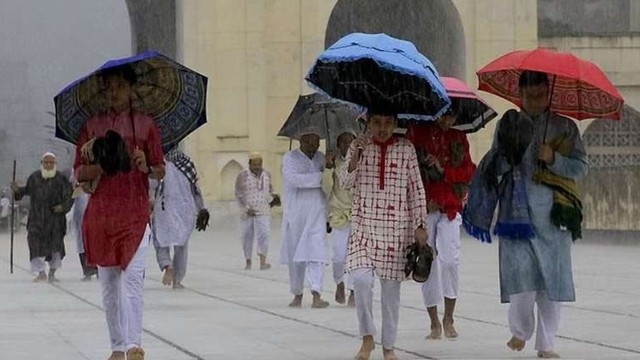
[228, 176]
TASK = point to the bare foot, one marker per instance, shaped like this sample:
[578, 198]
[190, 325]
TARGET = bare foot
[167, 278]
[42, 276]
[318, 303]
[296, 302]
[340, 295]
[135, 353]
[436, 333]
[52, 277]
[389, 354]
[548, 354]
[449, 330]
[365, 350]
[352, 300]
[264, 265]
[117, 355]
[516, 344]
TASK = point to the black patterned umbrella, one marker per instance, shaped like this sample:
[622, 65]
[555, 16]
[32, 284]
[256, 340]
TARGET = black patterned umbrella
[172, 94]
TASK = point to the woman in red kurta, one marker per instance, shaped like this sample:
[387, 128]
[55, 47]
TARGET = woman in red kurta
[116, 221]
[447, 169]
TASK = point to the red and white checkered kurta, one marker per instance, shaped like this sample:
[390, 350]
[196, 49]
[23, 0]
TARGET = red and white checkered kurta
[388, 206]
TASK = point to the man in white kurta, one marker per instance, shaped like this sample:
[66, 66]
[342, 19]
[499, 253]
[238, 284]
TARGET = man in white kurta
[5, 205]
[254, 193]
[178, 202]
[340, 221]
[304, 246]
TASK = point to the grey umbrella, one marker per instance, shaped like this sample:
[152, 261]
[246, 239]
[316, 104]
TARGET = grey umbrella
[329, 117]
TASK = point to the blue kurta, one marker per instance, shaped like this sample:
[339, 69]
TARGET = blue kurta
[544, 262]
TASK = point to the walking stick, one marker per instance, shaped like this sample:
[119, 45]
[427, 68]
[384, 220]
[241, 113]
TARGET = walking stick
[13, 216]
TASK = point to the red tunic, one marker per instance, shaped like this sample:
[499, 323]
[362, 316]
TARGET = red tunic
[451, 148]
[118, 211]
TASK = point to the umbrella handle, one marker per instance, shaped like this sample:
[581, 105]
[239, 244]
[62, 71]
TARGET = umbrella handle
[133, 124]
[546, 125]
[326, 123]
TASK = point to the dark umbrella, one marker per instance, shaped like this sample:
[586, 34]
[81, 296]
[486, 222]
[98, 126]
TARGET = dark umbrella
[381, 73]
[172, 94]
[472, 113]
[317, 111]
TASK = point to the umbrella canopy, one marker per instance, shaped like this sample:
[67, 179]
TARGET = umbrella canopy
[579, 88]
[473, 113]
[172, 94]
[317, 111]
[381, 73]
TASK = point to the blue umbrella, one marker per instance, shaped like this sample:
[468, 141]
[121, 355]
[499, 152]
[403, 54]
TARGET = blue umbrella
[172, 94]
[381, 73]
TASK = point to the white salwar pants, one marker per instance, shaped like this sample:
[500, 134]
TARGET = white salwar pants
[340, 237]
[255, 228]
[363, 282]
[178, 263]
[38, 264]
[314, 273]
[122, 299]
[444, 235]
[522, 321]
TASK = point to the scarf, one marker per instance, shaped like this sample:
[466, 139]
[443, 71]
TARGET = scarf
[493, 186]
[184, 164]
[566, 210]
[186, 167]
[509, 195]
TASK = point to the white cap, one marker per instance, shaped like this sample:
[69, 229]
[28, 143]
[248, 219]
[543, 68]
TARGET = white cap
[48, 153]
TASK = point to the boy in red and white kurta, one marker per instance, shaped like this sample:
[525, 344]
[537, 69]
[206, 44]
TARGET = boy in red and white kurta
[389, 209]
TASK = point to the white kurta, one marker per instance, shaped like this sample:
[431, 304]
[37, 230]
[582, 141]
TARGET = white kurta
[305, 209]
[77, 214]
[174, 223]
[5, 204]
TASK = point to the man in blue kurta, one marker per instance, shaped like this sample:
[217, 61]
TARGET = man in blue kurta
[536, 224]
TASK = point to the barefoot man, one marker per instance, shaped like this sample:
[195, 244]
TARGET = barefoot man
[531, 148]
[304, 246]
[50, 193]
[254, 192]
[444, 156]
[340, 202]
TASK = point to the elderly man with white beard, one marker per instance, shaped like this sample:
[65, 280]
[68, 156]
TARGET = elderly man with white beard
[50, 193]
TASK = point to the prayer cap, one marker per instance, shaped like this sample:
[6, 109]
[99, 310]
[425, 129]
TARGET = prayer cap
[310, 130]
[48, 153]
[254, 155]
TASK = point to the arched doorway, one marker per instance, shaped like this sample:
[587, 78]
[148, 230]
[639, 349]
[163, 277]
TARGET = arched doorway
[433, 26]
[228, 177]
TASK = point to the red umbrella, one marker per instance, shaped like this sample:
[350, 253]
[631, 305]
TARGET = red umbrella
[579, 88]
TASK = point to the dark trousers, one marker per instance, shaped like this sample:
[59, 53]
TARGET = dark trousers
[86, 269]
